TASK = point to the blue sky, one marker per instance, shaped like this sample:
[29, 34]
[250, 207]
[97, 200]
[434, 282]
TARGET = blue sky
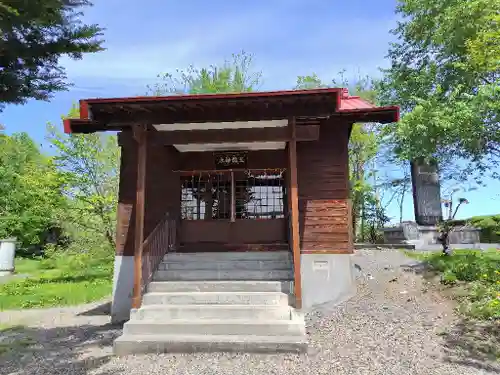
[287, 38]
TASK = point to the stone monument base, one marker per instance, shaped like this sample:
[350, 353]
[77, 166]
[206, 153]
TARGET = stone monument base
[426, 236]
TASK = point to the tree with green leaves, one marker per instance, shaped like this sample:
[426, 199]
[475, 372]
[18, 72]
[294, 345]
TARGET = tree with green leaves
[35, 34]
[363, 149]
[309, 82]
[30, 191]
[235, 75]
[90, 164]
[445, 75]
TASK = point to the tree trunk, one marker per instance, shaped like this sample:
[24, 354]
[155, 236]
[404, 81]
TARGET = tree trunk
[401, 205]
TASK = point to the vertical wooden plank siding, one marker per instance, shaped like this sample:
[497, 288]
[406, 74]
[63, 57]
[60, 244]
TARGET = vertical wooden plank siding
[294, 203]
[140, 134]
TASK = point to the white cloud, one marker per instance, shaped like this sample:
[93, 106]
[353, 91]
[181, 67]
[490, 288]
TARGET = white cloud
[284, 46]
[197, 43]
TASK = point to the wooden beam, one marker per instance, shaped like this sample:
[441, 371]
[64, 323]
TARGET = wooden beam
[140, 134]
[294, 202]
[271, 134]
[222, 111]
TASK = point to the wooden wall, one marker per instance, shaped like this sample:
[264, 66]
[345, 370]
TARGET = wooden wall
[323, 189]
[324, 205]
[162, 190]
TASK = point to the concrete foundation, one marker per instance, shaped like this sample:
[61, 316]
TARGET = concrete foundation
[326, 278]
[123, 286]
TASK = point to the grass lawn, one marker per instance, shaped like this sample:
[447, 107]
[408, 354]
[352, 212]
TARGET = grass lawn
[471, 276]
[62, 279]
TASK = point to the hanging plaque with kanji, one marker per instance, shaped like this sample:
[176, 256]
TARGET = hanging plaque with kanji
[230, 159]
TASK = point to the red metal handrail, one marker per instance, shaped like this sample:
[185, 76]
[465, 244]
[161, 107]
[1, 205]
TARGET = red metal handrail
[155, 246]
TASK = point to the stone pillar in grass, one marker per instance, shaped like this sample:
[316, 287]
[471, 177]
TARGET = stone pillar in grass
[426, 192]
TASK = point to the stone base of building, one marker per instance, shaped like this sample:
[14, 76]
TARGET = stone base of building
[123, 286]
[326, 278]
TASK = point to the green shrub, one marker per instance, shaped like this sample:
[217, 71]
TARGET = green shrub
[479, 275]
[490, 227]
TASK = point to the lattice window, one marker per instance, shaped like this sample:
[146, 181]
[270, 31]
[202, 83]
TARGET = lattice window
[206, 196]
[258, 194]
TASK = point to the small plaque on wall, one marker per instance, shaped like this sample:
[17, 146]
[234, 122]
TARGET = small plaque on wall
[229, 160]
[320, 265]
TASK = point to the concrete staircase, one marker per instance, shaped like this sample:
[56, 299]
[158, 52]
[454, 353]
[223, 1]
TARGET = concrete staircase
[217, 302]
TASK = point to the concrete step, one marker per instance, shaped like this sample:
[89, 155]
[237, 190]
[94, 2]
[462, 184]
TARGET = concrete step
[215, 327]
[220, 286]
[161, 313]
[228, 256]
[208, 275]
[251, 265]
[216, 298]
[141, 344]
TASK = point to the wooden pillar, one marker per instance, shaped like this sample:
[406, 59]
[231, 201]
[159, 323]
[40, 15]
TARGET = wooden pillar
[140, 135]
[233, 199]
[294, 207]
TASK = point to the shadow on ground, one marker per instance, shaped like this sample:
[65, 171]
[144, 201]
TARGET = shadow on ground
[475, 344]
[101, 310]
[66, 350]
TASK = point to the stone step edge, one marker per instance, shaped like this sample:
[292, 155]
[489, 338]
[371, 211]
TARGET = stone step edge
[158, 307]
[221, 260]
[216, 292]
[160, 277]
[191, 286]
[210, 338]
[231, 257]
[231, 270]
[129, 344]
[222, 253]
[218, 322]
[222, 282]
[205, 306]
[226, 261]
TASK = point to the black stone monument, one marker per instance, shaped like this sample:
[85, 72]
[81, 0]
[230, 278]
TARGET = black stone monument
[426, 192]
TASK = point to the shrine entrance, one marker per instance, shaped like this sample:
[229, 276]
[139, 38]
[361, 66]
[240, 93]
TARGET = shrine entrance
[233, 209]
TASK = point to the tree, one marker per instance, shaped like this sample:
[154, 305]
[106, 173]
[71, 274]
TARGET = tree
[90, 165]
[309, 82]
[445, 71]
[398, 184]
[30, 191]
[35, 34]
[236, 75]
[363, 146]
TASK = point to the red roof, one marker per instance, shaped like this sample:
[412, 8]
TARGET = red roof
[350, 103]
[99, 112]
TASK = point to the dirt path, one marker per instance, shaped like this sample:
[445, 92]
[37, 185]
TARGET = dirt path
[391, 326]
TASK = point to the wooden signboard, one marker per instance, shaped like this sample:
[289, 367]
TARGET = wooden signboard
[230, 160]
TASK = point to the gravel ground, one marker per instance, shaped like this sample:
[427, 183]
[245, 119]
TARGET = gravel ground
[394, 325]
